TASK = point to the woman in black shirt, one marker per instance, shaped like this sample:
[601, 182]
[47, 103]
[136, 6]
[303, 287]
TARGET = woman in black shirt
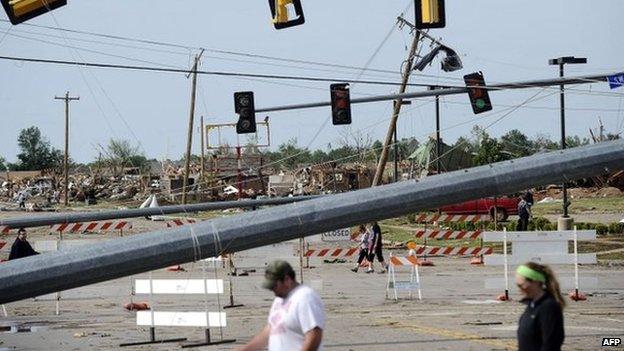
[541, 325]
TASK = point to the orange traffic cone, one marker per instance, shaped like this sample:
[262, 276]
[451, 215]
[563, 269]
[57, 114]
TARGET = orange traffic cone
[426, 263]
[577, 296]
[137, 306]
[176, 268]
[477, 260]
[504, 296]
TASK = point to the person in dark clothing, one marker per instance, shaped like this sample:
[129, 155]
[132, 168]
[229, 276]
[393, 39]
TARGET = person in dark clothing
[541, 325]
[523, 214]
[375, 250]
[528, 197]
[21, 247]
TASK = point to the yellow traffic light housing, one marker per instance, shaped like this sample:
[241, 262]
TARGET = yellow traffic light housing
[286, 13]
[23, 10]
[430, 14]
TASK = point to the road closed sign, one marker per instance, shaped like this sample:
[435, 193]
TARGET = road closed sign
[337, 235]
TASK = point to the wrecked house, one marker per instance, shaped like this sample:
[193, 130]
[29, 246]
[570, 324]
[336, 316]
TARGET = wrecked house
[253, 178]
[332, 178]
[424, 159]
[281, 184]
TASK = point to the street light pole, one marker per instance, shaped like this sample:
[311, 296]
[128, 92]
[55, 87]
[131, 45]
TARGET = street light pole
[438, 146]
[561, 61]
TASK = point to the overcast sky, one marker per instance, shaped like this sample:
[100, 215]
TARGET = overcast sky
[507, 40]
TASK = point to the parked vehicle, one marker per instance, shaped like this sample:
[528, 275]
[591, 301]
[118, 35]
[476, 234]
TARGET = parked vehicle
[501, 207]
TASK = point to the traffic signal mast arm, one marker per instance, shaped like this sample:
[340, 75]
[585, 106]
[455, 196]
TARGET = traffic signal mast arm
[454, 91]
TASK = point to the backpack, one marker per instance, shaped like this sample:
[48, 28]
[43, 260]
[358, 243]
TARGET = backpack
[523, 209]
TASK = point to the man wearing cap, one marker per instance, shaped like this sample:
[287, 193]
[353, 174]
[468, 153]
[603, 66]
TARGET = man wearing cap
[297, 317]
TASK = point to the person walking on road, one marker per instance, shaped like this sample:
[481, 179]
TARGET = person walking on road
[524, 212]
[21, 247]
[541, 325]
[297, 317]
[21, 200]
[364, 241]
[375, 249]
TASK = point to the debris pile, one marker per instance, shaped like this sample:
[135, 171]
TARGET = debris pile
[554, 192]
[46, 191]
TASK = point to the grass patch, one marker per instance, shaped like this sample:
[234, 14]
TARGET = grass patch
[612, 256]
[600, 205]
[593, 246]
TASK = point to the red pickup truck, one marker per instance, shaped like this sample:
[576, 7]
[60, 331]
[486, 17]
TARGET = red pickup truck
[502, 206]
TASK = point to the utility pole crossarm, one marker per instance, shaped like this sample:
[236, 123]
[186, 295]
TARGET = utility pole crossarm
[455, 90]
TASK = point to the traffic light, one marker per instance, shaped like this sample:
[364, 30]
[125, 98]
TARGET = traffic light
[23, 10]
[479, 97]
[244, 106]
[280, 13]
[341, 104]
[430, 14]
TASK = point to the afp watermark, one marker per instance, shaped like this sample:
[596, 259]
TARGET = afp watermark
[611, 341]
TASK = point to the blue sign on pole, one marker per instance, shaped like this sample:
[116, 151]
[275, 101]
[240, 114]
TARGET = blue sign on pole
[616, 81]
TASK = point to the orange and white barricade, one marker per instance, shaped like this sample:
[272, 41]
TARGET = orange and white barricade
[410, 285]
[178, 222]
[90, 227]
[4, 229]
[337, 252]
[450, 251]
[448, 234]
[445, 218]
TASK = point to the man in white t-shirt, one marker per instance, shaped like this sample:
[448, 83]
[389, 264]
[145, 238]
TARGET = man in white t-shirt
[297, 317]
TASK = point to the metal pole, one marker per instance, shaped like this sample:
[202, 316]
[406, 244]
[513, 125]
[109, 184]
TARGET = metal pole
[41, 274]
[333, 164]
[66, 156]
[383, 157]
[81, 217]
[239, 176]
[438, 152]
[301, 247]
[396, 156]
[454, 91]
[563, 138]
[576, 272]
[189, 141]
[506, 264]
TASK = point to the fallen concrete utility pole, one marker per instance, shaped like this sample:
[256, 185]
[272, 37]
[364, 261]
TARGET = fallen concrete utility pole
[51, 272]
[80, 217]
[454, 91]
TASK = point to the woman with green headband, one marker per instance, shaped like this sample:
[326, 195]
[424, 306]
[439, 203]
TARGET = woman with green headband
[541, 325]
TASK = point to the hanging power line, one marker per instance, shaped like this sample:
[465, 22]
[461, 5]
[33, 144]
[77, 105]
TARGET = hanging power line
[215, 73]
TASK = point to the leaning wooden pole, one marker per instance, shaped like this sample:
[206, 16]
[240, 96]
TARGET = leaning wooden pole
[47, 273]
[189, 139]
[383, 157]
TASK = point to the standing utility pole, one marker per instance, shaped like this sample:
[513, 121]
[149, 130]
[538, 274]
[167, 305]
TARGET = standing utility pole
[383, 158]
[438, 146]
[203, 153]
[67, 99]
[189, 140]
[561, 61]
